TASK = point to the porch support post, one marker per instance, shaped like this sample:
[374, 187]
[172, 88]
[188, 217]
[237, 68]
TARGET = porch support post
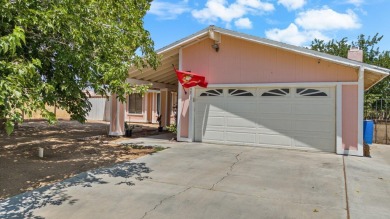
[117, 121]
[164, 106]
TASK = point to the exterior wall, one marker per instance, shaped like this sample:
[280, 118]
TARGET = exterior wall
[350, 117]
[184, 102]
[138, 117]
[243, 62]
[240, 61]
[149, 108]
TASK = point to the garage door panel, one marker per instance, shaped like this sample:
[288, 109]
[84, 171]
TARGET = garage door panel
[313, 117]
[313, 109]
[242, 107]
[241, 122]
[322, 144]
[275, 108]
[215, 121]
[214, 106]
[241, 137]
[213, 135]
[310, 125]
[275, 124]
[289, 120]
[273, 140]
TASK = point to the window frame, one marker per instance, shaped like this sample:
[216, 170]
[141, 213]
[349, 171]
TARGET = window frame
[137, 96]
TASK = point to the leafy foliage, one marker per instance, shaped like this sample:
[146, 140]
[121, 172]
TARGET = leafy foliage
[172, 128]
[52, 51]
[371, 55]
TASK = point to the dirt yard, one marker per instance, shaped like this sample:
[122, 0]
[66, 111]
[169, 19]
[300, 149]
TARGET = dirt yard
[380, 130]
[69, 148]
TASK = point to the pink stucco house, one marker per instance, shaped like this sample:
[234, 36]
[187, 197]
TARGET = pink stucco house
[260, 93]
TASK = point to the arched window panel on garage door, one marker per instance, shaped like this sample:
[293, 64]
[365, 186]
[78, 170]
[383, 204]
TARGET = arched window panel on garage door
[276, 92]
[311, 92]
[240, 93]
[212, 93]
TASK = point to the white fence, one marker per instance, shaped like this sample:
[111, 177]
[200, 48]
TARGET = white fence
[100, 109]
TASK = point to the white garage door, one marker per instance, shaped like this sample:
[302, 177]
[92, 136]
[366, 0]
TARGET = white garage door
[291, 117]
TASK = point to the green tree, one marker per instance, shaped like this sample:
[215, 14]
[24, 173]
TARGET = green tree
[52, 51]
[371, 55]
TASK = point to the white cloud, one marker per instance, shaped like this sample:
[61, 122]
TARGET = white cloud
[292, 4]
[355, 2]
[216, 10]
[167, 10]
[257, 4]
[292, 35]
[243, 23]
[327, 19]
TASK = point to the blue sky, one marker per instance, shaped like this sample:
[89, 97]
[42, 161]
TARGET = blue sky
[295, 22]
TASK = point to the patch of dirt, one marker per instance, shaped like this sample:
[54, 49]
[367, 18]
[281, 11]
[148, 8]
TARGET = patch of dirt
[69, 148]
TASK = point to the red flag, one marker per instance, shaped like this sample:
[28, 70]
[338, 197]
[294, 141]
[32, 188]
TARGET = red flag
[188, 79]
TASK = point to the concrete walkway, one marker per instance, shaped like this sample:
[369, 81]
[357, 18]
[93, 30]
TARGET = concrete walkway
[196, 180]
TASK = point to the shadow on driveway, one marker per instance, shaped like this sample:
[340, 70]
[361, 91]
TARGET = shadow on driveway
[23, 205]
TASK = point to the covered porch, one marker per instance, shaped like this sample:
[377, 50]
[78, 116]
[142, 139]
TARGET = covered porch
[159, 101]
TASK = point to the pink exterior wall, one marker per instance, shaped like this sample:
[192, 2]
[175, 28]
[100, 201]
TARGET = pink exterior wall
[184, 102]
[350, 117]
[137, 117]
[239, 61]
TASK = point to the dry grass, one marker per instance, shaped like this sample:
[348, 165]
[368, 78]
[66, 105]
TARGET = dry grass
[69, 148]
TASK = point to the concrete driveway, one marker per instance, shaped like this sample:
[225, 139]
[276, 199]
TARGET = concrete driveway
[196, 180]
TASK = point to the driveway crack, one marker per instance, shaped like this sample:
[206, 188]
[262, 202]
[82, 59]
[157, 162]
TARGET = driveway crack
[228, 172]
[161, 202]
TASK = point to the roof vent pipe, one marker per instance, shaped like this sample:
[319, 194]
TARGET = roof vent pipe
[355, 54]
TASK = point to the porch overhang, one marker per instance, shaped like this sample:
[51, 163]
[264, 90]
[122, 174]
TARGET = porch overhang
[165, 74]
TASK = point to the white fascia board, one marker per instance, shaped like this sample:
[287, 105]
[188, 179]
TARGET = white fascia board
[306, 84]
[180, 43]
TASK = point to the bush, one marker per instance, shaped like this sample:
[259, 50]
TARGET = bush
[172, 128]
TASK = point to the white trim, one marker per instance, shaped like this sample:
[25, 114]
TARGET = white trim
[360, 110]
[195, 42]
[179, 102]
[305, 84]
[183, 42]
[339, 119]
[182, 139]
[351, 153]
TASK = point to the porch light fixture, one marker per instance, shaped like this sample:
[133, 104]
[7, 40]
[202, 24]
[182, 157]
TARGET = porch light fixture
[215, 46]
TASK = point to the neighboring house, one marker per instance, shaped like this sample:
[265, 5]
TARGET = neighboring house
[260, 93]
